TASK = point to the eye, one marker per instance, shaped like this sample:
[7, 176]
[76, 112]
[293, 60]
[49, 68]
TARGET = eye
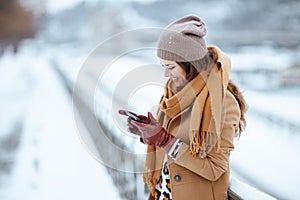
[170, 67]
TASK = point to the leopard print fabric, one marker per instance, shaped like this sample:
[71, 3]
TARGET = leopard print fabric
[162, 188]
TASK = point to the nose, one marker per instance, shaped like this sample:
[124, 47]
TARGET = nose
[167, 72]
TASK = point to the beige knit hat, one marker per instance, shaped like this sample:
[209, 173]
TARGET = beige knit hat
[183, 40]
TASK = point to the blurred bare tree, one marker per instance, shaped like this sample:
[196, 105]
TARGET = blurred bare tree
[16, 22]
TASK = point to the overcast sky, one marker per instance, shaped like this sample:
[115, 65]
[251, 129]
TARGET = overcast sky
[58, 5]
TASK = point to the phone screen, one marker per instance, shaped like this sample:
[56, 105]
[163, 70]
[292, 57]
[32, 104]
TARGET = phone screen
[134, 117]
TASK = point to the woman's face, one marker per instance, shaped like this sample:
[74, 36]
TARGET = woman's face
[173, 71]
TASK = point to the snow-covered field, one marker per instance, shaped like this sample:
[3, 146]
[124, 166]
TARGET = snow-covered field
[50, 162]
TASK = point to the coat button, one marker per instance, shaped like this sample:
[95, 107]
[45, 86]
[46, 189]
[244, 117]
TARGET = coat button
[177, 178]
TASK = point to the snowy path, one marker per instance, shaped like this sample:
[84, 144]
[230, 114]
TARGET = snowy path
[51, 163]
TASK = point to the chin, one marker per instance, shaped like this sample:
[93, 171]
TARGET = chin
[179, 84]
[179, 87]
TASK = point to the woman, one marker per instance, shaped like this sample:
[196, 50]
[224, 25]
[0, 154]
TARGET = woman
[200, 113]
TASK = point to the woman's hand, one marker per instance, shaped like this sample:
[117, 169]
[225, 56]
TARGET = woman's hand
[153, 133]
[130, 127]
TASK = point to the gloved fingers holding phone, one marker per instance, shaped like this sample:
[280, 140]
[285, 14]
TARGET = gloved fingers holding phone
[133, 117]
[141, 125]
[132, 128]
[149, 130]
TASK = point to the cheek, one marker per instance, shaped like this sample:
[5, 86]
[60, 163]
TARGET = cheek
[182, 73]
[181, 78]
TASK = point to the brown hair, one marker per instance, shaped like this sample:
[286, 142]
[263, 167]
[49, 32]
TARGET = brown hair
[193, 68]
[242, 104]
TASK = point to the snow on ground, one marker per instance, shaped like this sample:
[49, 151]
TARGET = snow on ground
[15, 87]
[267, 154]
[247, 192]
[266, 57]
[51, 162]
[281, 103]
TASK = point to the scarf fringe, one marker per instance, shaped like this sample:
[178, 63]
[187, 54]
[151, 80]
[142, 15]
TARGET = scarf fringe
[203, 142]
[196, 143]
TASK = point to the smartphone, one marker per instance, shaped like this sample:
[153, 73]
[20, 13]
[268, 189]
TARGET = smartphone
[134, 117]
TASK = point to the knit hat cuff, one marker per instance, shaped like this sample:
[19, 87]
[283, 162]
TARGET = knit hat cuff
[167, 55]
[197, 54]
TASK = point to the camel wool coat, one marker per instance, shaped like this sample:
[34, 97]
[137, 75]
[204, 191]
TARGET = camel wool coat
[196, 178]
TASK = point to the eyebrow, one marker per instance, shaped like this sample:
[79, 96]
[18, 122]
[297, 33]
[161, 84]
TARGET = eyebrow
[167, 65]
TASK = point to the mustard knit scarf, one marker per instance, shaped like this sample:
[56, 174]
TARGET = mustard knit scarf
[205, 93]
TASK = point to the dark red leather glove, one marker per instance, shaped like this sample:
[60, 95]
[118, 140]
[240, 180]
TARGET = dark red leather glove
[130, 127]
[153, 133]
